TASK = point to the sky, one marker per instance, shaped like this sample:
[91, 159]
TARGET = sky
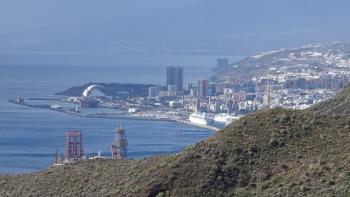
[216, 27]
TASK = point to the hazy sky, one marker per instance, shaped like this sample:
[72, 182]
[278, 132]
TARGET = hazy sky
[205, 26]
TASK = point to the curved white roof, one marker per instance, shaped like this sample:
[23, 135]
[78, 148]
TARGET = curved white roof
[88, 90]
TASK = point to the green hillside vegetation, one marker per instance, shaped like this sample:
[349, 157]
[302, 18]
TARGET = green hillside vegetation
[297, 153]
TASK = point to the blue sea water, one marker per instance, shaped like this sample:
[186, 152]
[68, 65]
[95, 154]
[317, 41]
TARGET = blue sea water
[29, 137]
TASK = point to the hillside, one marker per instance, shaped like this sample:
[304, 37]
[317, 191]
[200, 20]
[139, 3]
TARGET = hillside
[315, 57]
[338, 106]
[298, 153]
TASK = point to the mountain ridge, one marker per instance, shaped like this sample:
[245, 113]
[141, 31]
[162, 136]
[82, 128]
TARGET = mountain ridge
[297, 153]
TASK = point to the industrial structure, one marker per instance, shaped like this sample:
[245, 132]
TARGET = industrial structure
[120, 144]
[74, 145]
[88, 102]
[58, 160]
[74, 149]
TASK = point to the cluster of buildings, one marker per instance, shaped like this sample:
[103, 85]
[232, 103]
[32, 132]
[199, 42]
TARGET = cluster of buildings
[297, 82]
[294, 79]
[175, 86]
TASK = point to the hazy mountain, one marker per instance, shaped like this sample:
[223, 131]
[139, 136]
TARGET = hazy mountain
[79, 29]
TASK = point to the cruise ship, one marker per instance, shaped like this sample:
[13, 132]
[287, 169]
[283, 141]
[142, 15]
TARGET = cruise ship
[226, 118]
[199, 118]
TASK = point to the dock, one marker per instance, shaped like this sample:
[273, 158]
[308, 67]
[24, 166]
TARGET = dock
[115, 116]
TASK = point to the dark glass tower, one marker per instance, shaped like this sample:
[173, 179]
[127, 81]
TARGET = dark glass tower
[203, 88]
[175, 77]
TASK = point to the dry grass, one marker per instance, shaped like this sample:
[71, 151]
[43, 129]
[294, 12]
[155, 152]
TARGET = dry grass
[299, 153]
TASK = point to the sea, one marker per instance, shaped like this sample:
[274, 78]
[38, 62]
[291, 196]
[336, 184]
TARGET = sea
[29, 137]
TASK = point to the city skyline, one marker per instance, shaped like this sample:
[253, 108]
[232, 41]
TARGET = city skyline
[168, 98]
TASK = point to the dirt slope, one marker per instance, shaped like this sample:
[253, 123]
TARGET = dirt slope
[297, 153]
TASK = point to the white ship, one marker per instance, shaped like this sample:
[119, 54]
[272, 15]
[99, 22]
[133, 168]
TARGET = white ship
[226, 118]
[199, 118]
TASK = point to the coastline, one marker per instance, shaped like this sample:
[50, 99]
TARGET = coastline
[112, 116]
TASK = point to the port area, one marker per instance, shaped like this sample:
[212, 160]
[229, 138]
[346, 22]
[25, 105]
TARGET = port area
[210, 127]
[61, 105]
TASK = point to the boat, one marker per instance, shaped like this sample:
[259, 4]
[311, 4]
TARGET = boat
[56, 107]
[199, 118]
[226, 118]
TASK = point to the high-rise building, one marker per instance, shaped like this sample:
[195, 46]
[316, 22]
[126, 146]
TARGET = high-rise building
[198, 105]
[193, 92]
[222, 62]
[154, 91]
[175, 77]
[267, 100]
[188, 87]
[203, 88]
[172, 88]
[241, 96]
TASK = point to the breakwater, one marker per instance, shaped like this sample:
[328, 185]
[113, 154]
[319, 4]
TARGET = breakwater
[112, 115]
